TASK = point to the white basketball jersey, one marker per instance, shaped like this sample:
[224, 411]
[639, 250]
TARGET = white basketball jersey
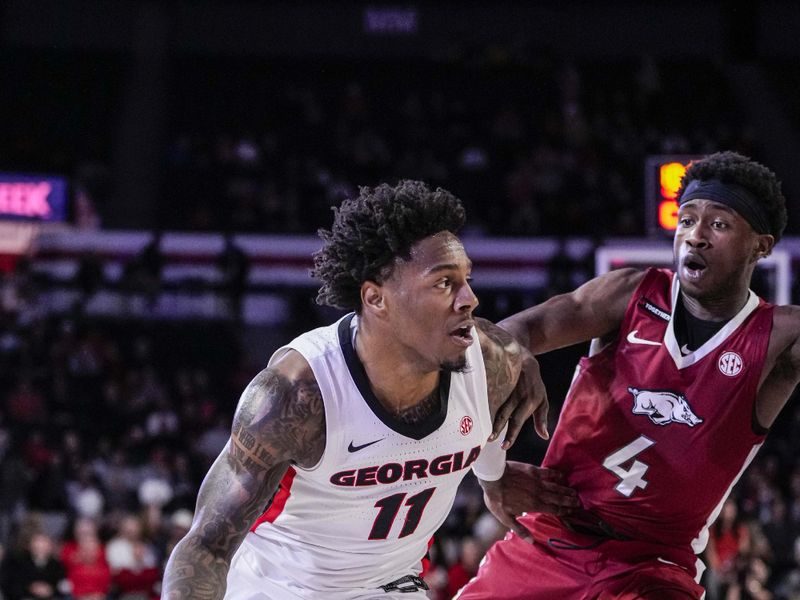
[365, 514]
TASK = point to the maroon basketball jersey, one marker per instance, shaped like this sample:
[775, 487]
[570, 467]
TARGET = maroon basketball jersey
[654, 438]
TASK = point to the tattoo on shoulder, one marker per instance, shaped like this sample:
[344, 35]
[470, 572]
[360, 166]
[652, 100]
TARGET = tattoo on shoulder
[279, 418]
[501, 358]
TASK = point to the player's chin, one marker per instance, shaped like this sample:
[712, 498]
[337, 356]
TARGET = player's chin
[455, 365]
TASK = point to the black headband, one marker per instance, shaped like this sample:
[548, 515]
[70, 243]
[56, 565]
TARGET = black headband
[740, 199]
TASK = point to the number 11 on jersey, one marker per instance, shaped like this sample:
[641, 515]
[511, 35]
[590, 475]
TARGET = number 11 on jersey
[633, 476]
[388, 508]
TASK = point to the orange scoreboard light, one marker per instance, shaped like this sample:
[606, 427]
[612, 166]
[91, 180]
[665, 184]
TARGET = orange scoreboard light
[662, 179]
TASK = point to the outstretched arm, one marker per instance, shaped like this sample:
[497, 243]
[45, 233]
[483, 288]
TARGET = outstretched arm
[280, 420]
[594, 310]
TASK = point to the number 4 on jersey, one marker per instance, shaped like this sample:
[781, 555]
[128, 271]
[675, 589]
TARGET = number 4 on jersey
[633, 476]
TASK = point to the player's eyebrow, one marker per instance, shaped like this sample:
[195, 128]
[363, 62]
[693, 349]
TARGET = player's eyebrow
[447, 267]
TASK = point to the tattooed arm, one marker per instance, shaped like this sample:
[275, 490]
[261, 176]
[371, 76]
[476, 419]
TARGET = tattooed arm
[280, 420]
[516, 390]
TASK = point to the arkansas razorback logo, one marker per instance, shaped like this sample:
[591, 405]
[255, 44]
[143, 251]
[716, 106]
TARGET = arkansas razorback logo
[663, 407]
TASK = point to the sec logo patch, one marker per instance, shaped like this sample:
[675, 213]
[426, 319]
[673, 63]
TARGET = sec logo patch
[730, 364]
[466, 425]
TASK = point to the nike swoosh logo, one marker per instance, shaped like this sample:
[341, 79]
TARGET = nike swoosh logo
[637, 340]
[352, 448]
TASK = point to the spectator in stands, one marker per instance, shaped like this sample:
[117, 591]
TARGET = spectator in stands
[85, 562]
[140, 581]
[781, 534]
[25, 405]
[37, 573]
[14, 483]
[84, 494]
[728, 546]
[121, 548]
[132, 559]
[465, 567]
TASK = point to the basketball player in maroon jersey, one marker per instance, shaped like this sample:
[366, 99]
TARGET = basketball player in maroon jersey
[687, 371]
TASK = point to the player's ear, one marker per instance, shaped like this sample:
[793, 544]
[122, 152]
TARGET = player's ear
[373, 297]
[764, 244]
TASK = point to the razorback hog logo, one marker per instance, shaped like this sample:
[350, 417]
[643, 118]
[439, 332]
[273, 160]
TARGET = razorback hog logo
[663, 407]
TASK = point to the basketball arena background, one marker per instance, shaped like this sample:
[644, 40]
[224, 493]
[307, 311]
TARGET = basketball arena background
[164, 167]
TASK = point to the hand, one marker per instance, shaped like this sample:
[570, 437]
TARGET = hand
[525, 488]
[529, 397]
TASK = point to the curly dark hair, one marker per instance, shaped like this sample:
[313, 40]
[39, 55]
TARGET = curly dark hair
[370, 232]
[731, 167]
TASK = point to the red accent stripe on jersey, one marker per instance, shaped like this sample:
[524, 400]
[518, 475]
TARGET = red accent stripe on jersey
[426, 561]
[279, 501]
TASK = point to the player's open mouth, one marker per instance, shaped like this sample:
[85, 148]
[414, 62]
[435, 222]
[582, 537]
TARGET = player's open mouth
[462, 336]
[694, 267]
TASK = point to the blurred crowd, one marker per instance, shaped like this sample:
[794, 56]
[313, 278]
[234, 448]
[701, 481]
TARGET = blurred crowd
[106, 430]
[532, 143]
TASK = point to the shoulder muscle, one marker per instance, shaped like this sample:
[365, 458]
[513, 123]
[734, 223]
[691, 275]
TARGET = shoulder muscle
[502, 359]
[281, 415]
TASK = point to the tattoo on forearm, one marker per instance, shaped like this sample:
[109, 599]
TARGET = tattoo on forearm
[277, 421]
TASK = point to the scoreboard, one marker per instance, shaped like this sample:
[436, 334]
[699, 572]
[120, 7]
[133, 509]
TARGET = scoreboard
[662, 180]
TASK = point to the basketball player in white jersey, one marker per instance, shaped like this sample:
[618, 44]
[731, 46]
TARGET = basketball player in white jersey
[367, 426]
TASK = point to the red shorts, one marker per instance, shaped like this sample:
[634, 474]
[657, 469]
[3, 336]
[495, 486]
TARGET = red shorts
[514, 569]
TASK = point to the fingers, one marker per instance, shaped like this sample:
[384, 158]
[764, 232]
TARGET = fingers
[514, 427]
[545, 474]
[521, 531]
[509, 519]
[540, 418]
[504, 414]
[554, 506]
[516, 411]
[530, 488]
